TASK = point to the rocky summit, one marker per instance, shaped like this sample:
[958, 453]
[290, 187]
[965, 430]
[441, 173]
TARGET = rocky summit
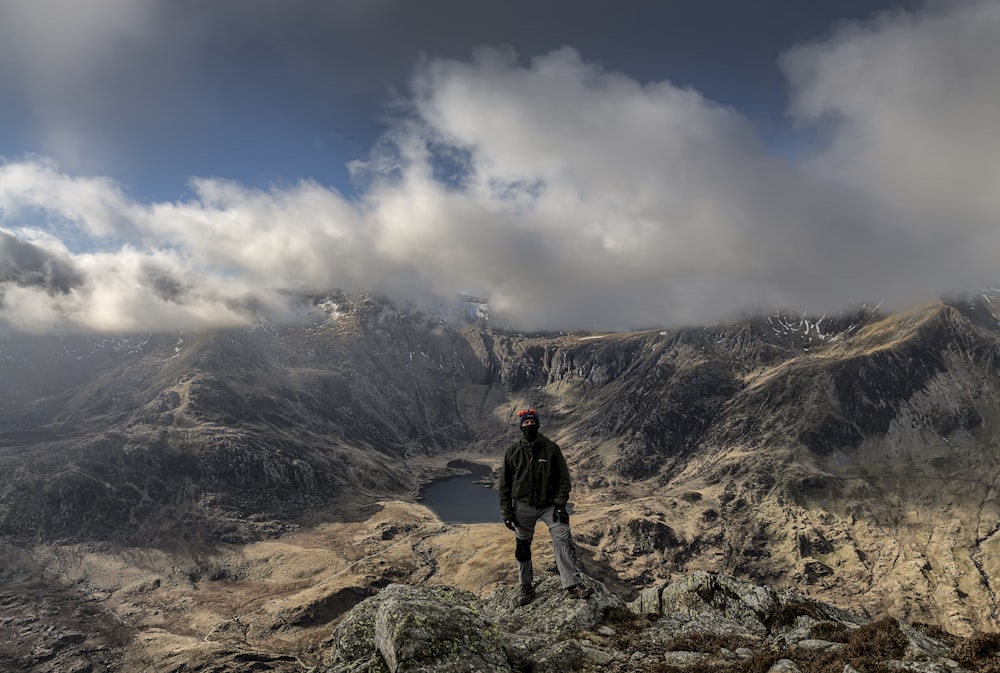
[703, 622]
[230, 496]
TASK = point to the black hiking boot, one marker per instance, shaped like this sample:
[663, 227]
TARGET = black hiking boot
[579, 591]
[527, 594]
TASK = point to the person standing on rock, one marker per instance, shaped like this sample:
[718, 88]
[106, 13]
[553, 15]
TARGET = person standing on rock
[535, 485]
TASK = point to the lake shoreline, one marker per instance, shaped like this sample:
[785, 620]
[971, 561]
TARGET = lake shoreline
[466, 495]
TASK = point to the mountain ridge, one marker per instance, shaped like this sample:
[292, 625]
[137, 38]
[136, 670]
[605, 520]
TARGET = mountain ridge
[853, 458]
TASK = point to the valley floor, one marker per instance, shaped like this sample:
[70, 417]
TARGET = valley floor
[278, 600]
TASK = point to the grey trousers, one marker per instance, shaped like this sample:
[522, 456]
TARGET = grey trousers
[526, 516]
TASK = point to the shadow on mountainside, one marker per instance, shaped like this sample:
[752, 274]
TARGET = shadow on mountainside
[604, 572]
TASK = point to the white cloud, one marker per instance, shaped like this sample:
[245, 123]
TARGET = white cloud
[95, 205]
[216, 259]
[911, 101]
[572, 197]
[586, 199]
[305, 237]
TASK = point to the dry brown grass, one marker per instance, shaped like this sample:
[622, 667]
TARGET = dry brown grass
[880, 639]
[866, 649]
[833, 632]
[979, 652]
[708, 643]
[787, 613]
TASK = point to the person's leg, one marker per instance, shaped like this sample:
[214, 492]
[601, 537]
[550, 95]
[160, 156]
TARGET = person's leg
[525, 517]
[564, 550]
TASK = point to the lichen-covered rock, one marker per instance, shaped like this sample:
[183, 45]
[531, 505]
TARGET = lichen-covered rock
[553, 616]
[784, 666]
[704, 602]
[559, 657]
[703, 594]
[407, 629]
[553, 612]
[354, 649]
[441, 632]
[701, 620]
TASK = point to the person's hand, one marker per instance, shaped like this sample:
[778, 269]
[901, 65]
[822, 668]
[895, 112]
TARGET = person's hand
[560, 515]
[510, 524]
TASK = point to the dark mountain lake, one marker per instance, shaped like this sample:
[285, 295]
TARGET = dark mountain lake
[460, 499]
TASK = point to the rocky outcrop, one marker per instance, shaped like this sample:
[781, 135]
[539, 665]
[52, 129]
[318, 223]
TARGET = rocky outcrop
[715, 622]
[49, 629]
[708, 603]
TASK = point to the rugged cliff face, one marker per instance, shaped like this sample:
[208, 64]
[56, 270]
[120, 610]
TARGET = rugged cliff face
[853, 459]
[859, 461]
[235, 434]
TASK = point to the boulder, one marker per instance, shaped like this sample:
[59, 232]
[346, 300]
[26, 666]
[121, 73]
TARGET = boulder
[408, 629]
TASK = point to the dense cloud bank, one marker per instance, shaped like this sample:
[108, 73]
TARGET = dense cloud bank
[569, 195]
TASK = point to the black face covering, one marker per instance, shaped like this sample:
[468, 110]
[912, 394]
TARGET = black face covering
[530, 432]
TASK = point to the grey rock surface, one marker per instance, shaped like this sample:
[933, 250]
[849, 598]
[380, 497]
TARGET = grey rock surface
[422, 629]
[407, 629]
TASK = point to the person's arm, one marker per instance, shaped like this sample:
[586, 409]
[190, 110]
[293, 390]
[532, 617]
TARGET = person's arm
[563, 484]
[506, 502]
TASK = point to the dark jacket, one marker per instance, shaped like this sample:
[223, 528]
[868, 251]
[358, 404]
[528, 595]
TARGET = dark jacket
[535, 473]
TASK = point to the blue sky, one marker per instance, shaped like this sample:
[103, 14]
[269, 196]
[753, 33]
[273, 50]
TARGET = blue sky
[583, 164]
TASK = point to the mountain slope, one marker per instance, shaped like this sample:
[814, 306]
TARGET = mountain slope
[854, 458]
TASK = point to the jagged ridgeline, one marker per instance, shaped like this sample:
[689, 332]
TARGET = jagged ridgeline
[852, 456]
